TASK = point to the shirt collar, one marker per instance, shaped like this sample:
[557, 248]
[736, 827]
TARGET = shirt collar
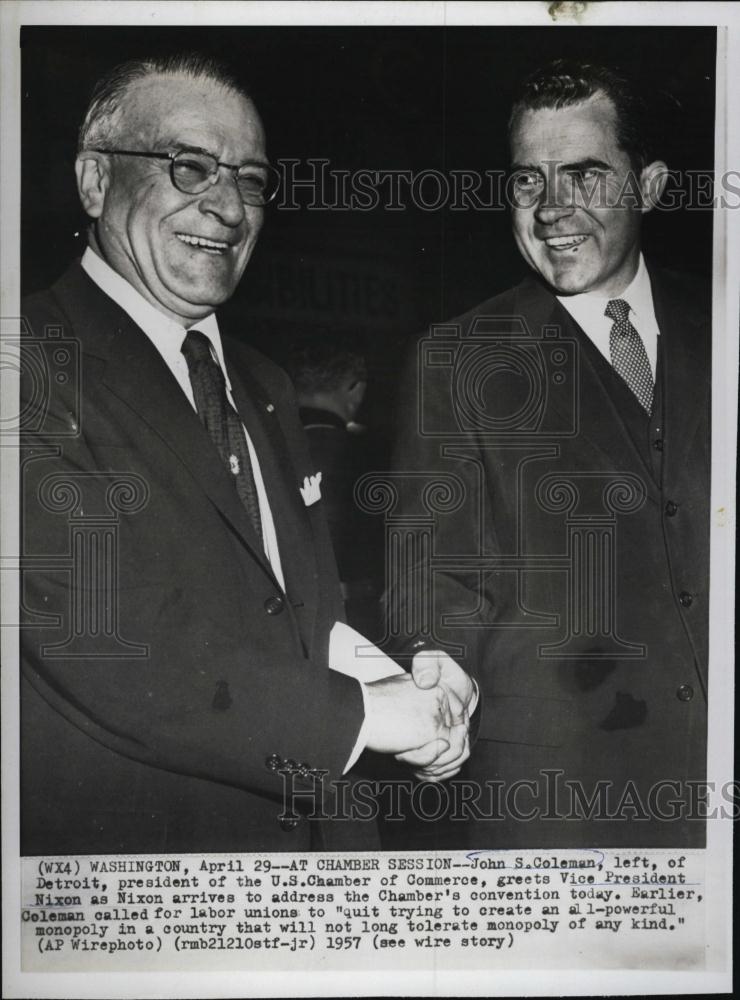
[639, 294]
[166, 334]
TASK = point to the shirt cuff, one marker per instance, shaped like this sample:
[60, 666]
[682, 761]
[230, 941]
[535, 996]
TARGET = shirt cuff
[361, 740]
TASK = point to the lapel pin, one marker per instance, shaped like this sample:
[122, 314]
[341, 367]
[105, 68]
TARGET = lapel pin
[311, 489]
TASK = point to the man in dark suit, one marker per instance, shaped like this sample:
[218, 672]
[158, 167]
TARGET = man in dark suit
[178, 586]
[570, 416]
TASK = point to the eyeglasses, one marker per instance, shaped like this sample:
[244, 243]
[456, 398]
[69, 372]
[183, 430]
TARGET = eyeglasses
[193, 172]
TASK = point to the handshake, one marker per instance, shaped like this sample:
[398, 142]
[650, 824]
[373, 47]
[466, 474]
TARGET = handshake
[422, 718]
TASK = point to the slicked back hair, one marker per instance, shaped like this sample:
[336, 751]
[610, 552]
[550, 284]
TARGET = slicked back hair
[564, 83]
[323, 367]
[108, 101]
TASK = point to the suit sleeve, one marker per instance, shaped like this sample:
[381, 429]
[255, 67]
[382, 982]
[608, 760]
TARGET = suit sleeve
[442, 493]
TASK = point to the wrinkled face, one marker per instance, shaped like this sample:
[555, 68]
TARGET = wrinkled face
[185, 253]
[569, 174]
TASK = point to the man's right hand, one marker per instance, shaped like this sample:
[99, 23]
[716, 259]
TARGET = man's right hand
[401, 716]
[431, 668]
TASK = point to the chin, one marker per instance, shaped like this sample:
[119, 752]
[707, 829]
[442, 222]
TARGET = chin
[206, 298]
[568, 284]
[570, 287]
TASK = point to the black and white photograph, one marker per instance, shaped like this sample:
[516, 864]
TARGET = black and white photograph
[368, 477]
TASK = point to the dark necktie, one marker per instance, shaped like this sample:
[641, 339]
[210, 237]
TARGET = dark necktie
[628, 355]
[221, 420]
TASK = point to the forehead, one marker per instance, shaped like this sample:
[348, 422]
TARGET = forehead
[197, 112]
[569, 134]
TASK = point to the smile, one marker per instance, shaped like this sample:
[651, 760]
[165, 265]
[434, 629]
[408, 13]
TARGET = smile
[209, 246]
[565, 242]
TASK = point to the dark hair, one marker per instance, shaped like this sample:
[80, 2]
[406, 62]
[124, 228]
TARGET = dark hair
[109, 94]
[566, 82]
[323, 367]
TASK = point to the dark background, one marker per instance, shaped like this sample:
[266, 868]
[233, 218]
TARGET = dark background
[365, 98]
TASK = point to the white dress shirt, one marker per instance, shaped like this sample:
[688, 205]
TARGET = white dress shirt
[588, 310]
[168, 337]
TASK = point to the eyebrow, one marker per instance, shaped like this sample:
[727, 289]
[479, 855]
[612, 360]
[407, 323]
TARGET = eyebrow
[587, 164]
[186, 147]
[576, 165]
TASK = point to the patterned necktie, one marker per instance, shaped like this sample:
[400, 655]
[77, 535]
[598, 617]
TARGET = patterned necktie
[628, 355]
[221, 420]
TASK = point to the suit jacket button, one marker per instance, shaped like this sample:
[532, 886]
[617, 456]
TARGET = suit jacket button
[286, 825]
[671, 508]
[685, 692]
[685, 599]
[274, 605]
[273, 762]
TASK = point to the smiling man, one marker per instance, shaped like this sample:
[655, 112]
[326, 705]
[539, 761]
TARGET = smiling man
[573, 410]
[578, 196]
[180, 588]
[184, 255]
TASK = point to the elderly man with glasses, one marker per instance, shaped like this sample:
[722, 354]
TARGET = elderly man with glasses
[180, 588]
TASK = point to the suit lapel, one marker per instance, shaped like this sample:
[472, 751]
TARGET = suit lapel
[599, 419]
[282, 482]
[136, 373]
[685, 345]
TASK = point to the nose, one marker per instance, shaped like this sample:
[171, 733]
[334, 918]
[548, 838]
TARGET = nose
[223, 200]
[555, 202]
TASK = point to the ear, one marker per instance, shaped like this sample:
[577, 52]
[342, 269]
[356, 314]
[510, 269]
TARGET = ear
[93, 181]
[356, 392]
[653, 180]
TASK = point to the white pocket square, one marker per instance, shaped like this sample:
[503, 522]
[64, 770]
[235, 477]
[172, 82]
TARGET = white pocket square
[311, 489]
